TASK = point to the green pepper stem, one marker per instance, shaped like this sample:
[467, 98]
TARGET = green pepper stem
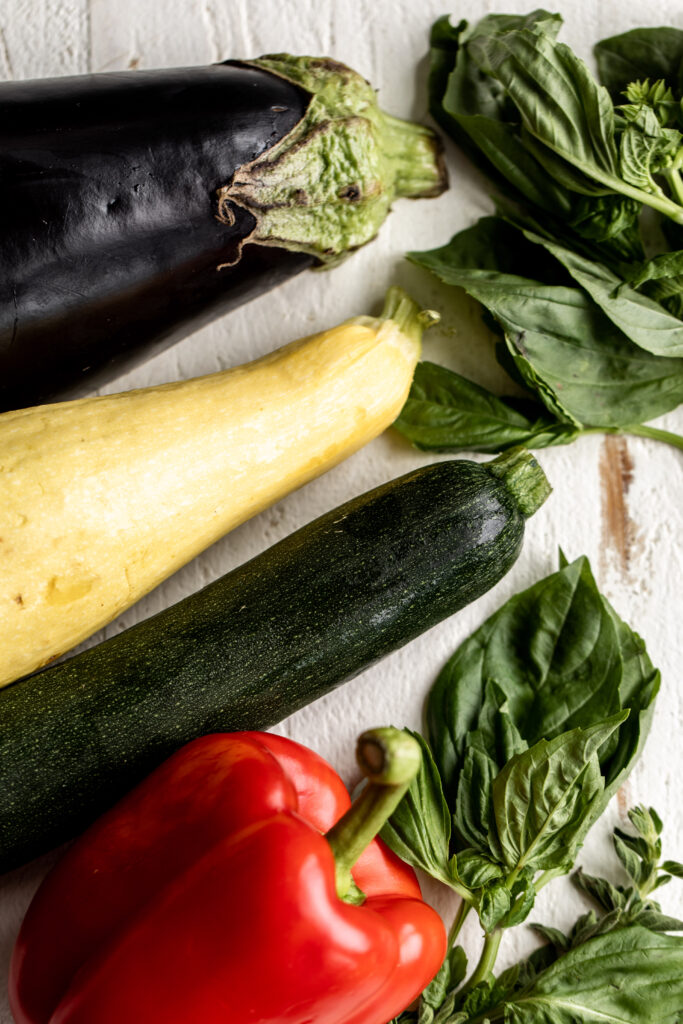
[390, 759]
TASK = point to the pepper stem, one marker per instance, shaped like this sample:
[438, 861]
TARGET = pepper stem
[390, 759]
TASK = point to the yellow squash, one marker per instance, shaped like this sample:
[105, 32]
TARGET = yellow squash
[103, 498]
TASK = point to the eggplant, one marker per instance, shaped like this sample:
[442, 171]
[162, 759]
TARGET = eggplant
[137, 206]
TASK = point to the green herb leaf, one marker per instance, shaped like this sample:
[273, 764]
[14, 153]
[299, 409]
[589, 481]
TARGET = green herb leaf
[609, 897]
[419, 830]
[629, 976]
[470, 106]
[524, 897]
[658, 922]
[449, 977]
[640, 318]
[666, 266]
[473, 802]
[474, 869]
[553, 936]
[494, 904]
[645, 147]
[581, 366]
[654, 53]
[648, 825]
[638, 688]
[673, 867]
[447, 412]
[546, 798]
[554, 652]
[488, 748]
[568, 118]
[557, 100]
[629, 859]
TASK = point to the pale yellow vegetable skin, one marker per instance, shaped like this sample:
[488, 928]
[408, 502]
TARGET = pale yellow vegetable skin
[101, 499]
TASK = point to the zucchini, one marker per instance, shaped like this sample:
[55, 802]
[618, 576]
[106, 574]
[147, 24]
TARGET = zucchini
[103, 498]
[251, 648]
[137, 206]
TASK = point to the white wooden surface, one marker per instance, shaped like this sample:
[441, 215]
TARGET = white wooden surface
[619, 502]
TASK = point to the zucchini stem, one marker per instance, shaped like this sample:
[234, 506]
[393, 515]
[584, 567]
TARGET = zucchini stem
[523, 477]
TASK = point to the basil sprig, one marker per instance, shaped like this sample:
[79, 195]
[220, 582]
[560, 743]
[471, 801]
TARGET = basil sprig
[586, 297]
[532, 725]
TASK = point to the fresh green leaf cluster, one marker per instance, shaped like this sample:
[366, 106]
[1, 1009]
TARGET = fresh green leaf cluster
[532, 725]
[618, 962]
[588, 307]
[620, 906]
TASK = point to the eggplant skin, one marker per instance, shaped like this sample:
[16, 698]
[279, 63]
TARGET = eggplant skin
[111, 247]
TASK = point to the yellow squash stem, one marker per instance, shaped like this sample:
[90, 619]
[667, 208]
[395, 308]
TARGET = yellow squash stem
[101, 499]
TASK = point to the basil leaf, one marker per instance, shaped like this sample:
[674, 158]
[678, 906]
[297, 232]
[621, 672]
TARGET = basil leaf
[568, 119]
[552, 935]
[546, 798]
[524, 897]
[419, 830]
[608, 896]
[493, 243]
[640, 318]
[447, 412]
[496, 733]
[661, 278]
[612, 220]
[673, 867]
[449, 976]
[559, 104]
[474, 869]
[473, 801]
[471, 107]
[493, 905]
[589, 925]
[583, 368]
[658, 922]
[638, 688]
[654, 53]
[553, 650]
[646, 149]
[630, 975]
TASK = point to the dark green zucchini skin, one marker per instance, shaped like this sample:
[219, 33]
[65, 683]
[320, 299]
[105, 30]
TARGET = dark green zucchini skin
[275, 634]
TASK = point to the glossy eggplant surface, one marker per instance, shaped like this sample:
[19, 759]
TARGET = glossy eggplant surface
[136, 206]
[110, 240]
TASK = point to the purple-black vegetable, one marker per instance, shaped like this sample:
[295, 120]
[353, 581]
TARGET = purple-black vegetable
[137, 206]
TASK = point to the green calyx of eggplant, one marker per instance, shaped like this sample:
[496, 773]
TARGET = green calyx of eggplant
[327, 186]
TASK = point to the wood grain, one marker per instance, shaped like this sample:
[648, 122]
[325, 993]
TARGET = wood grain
[619, 531]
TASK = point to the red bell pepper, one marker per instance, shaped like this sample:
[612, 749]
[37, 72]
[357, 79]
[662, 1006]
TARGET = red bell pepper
[209, 895]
